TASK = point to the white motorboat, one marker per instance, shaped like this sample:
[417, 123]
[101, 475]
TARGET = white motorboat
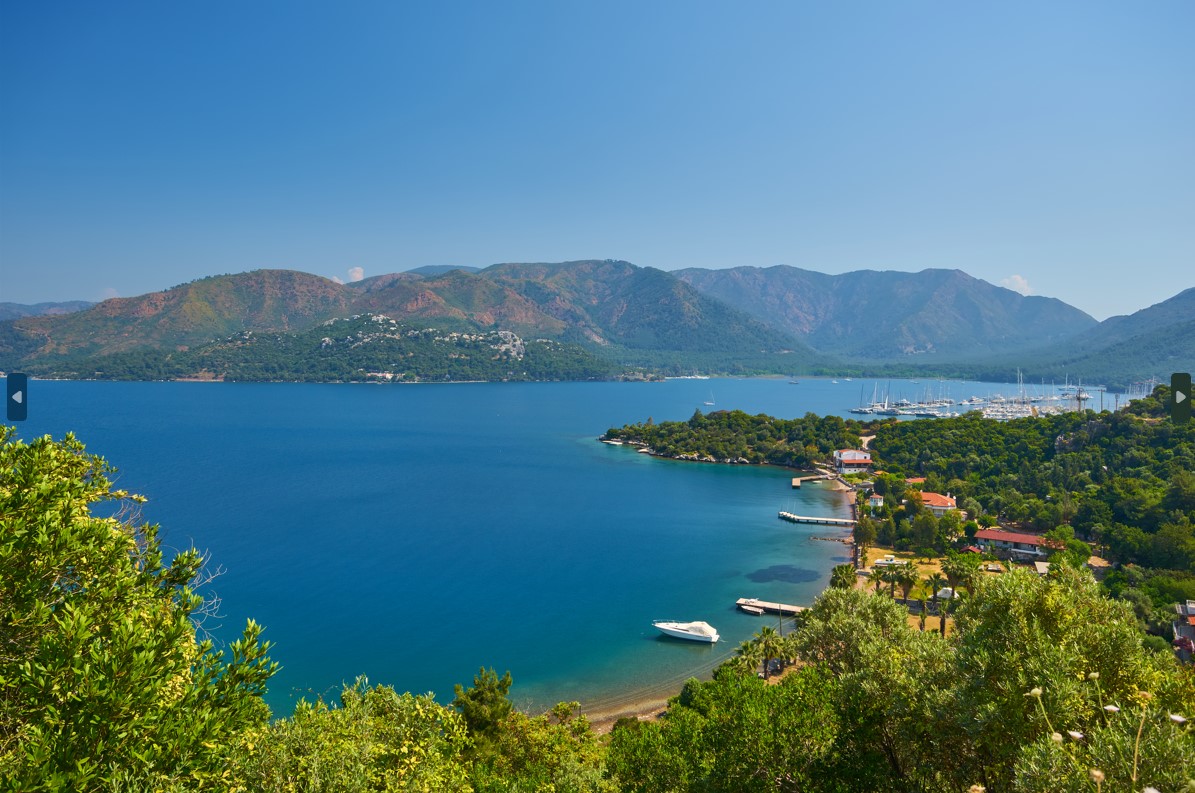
[693, 631]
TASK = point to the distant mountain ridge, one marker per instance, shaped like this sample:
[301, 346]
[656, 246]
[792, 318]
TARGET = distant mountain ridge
[879, 315]
[1152, 342]
[185, 315]
[740, 320]
[18, 310]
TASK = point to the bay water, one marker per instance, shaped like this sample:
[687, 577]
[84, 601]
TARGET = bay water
[414, 533]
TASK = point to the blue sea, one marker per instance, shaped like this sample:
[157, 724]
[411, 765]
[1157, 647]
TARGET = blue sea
[414, 533]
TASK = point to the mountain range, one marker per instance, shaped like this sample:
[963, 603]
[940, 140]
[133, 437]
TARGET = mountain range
[737, 320]
[880, 316]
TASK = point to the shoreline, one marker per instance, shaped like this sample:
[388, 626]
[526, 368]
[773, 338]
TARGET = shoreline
[602, 721]
[651, 704]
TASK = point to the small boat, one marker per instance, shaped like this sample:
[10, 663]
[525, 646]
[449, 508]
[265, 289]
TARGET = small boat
[693, 631]
[754, 610]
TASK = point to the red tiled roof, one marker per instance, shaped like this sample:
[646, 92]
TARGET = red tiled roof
[916, 480]
[999, 535]
[937, 500]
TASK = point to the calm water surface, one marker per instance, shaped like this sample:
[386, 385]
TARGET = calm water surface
[414, 533]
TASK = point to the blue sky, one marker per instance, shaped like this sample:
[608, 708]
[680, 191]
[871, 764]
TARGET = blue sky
[1047, 146]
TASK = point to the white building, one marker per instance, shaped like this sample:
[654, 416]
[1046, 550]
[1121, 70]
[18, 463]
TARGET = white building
[852, 461]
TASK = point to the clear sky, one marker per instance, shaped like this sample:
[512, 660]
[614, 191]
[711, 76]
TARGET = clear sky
[1047, 146]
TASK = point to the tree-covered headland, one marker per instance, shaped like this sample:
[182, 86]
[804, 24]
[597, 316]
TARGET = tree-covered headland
[1045, 684]
[1122, 481]
[734, 436]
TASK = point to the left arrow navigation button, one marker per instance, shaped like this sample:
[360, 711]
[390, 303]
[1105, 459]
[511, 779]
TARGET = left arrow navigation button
[18, 396]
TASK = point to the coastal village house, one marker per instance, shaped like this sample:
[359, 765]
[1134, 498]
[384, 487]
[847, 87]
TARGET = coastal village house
[937, 503]
[852, 461]
[875, 502]
[1013, 544]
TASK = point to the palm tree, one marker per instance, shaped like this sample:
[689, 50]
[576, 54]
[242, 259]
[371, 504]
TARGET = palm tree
[747, 657]
[769, 647]
[935, 582]
[906, 577]
[877, 576]
[956, 569]
[843, 576]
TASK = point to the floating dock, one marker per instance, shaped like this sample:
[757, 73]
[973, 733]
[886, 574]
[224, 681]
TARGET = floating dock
[797, 480]
[782, 609]
[791, 518]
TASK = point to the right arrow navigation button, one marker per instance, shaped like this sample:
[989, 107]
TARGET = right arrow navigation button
[1180, 407]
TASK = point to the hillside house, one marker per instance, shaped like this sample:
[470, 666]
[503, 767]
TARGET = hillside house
[852, 461]
[1013, 544]
[938, 504]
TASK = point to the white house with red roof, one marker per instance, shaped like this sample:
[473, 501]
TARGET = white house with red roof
[852, 461]
[938, 504]
[1013, 543]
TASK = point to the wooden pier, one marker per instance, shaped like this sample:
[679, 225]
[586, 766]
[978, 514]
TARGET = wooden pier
[797, 480]
[782, 609]
[791, 518]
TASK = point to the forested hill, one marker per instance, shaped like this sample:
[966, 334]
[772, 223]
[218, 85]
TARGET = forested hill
[369, 347]
[737, 321]
[732, 436]
[884, 315]
[626, 314]
[1125, 480]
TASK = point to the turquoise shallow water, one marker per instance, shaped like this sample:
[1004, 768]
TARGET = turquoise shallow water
[415, 533]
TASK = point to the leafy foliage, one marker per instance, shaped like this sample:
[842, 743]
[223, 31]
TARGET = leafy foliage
[1122, 478]
[739, 734]
[364, 348]
[102, 679]
[737, 436]
[376, 740]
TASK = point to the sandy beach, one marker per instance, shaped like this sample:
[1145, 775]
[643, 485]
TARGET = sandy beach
[644, 710]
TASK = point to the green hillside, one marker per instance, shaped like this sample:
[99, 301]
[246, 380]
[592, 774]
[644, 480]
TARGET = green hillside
[363, 348]
[190, 314]
[893, 316]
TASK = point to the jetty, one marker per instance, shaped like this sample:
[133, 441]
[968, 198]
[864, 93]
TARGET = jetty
[783, 609]
[797, 480]
[791, 518]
